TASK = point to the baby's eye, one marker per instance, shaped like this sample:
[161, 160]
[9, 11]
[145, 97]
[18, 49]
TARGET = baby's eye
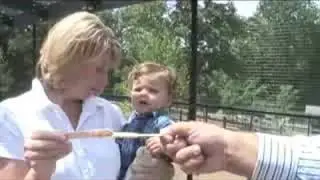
[152, 90]
[137, 89]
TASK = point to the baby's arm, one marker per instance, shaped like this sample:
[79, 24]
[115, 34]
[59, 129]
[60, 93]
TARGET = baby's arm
[153, 144]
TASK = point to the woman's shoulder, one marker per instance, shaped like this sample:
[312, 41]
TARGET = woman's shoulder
[21, 113]
[16, 102]
[9, 124]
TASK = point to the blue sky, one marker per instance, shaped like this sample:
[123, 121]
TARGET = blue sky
[247, 8]
[244, 8]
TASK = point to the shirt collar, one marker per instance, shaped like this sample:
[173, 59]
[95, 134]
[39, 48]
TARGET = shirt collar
[41, 98]
[154, 114]
[163, 112]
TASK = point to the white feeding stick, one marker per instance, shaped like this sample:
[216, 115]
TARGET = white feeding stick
[102, 133]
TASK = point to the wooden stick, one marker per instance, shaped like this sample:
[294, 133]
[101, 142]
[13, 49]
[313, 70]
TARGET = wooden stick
[100, 133]
[89, 134]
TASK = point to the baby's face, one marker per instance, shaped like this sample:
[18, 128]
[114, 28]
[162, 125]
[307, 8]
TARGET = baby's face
[149, 93]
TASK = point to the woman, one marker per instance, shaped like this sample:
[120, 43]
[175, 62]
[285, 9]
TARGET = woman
[75, 60]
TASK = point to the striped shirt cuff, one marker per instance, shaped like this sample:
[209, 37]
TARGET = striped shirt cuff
[309, 160]
[277, 158]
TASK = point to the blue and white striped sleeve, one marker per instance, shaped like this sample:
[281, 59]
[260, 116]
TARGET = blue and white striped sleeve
[281, 157]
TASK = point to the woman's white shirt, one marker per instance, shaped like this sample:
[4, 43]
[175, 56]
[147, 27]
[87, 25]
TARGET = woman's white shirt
[90, 158]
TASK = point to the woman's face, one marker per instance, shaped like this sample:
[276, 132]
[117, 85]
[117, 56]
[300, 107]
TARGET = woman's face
[87, 79]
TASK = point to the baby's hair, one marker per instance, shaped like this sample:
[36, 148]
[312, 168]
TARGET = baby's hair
[75, 39]
[162, 71]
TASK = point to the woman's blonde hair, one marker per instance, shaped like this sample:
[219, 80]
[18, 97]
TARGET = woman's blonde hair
[75, 39]
[151, 68]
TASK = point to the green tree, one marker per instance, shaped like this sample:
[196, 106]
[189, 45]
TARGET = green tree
[278, 48]
[218, 27]
[146, 36]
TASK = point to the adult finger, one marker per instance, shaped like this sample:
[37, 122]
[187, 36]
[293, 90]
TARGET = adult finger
[193, 165]
[46, 154]
[39, 163]
[174, 147]
[44, 145]
[177, 129]
[47, 135]
[187, 153]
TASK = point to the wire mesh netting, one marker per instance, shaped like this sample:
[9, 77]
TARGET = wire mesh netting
[266, 62]
[285, 60]
[253, 73]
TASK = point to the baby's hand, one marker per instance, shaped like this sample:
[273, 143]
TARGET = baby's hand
[154, 146]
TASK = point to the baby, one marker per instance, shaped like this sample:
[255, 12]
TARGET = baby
[152, 87]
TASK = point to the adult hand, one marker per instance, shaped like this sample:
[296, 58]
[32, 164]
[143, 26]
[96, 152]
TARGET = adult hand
[145, 167]
[196, 147]
[43, 149]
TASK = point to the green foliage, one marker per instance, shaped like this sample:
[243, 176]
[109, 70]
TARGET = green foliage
[250, 93]
[263, 62]
[126, 108]
[287, 98]
[235, 92]
[145, 37]
[5, 80]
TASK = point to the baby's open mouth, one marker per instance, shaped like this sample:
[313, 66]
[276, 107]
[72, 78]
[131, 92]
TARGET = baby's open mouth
[143, 102]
